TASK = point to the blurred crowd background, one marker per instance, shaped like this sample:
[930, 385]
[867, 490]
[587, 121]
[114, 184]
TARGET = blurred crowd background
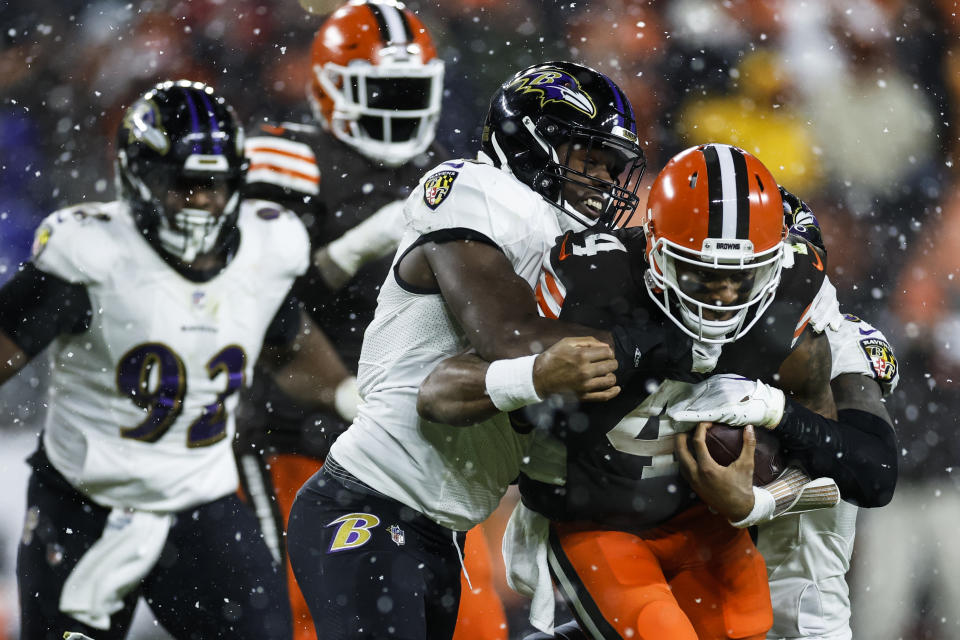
[853, 104]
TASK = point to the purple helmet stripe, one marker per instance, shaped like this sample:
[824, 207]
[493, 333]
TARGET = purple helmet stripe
[217, 149]
[194, 119]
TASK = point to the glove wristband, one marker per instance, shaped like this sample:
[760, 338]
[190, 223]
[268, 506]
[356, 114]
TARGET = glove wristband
[763, 507]
[510, 383]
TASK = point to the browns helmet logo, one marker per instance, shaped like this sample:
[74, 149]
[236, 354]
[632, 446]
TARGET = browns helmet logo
[437, 187]
[880, 354]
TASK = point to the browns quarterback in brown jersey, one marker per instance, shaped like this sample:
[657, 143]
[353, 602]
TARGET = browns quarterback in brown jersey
[375, 93]
[712, 272]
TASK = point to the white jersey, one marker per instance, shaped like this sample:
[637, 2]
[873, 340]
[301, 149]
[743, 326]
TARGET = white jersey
[454, 475]
[142, 403]
[808, 554]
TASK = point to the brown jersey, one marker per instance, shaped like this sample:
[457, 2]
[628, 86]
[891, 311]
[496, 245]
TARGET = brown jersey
[624, 474]
[333, 188]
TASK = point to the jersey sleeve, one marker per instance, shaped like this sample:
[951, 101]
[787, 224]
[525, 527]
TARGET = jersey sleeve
[470, 199]
[859, 347]
[36, 307]
[804, 281]
[285, 325]
[76, 244]
[288, 243]
[282, 168]
[588, 280]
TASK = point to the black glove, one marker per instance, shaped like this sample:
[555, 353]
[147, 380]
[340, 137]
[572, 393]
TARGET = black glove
[798, 216]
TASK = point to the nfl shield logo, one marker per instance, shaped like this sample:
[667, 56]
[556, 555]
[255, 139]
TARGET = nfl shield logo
[396, 534]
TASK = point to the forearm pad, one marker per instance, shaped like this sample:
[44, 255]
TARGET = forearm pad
[793, 492]
[859, 451]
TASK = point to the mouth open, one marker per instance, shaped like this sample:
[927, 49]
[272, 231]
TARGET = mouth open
[591, 205]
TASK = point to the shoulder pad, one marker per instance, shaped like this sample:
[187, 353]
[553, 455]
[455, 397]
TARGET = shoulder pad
[79, 243]
[587, 279]
[476, 196]
[857, 346]
[803, 254]
[281, 162]
[803, 281]
[281, 231]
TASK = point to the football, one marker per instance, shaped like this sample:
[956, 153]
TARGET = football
[725, 442]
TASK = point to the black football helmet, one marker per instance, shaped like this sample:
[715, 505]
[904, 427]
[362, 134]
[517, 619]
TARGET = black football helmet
[180, 136]
[542, 107]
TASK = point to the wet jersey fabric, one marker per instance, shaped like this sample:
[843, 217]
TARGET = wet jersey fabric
[141, 410]
[628, 478]
[333, 188]
[808, 554]
[455, 476]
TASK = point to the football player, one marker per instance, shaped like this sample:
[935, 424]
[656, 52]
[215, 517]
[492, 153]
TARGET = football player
[375, 94]
[808, 554]
[715, 265]
[155, 308]
[387, 513]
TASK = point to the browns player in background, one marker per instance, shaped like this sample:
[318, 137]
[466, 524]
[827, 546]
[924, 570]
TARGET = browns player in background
[375, 91]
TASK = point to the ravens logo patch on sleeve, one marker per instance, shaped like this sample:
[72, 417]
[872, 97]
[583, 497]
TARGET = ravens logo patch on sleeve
[40, 239]
[880, 354]
[437, 187]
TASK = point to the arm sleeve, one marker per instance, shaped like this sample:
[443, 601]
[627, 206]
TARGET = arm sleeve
[285, 325]
[36, 307]
[858, 450]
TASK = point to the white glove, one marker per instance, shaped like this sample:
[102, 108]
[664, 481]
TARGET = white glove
[372, 239]
[733, 400]
[346, 398]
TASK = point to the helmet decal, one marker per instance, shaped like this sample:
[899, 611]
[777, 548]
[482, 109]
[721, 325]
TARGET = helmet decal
[554, 85]
[142, 123]
[727, 176]
[393, 24]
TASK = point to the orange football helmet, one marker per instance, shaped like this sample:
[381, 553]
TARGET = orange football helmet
[714, 215]
[377, 81]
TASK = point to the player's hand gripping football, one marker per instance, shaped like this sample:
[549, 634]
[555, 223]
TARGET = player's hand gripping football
[580, 366]
[733, 400]
[728, 490]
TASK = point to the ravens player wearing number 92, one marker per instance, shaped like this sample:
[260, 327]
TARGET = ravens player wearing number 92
[155, 308]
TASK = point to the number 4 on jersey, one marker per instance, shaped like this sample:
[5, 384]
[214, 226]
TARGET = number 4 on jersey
[592, 245]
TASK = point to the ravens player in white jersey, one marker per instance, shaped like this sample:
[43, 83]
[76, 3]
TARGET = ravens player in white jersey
[375, 92]
[155, 308]
[387, 514]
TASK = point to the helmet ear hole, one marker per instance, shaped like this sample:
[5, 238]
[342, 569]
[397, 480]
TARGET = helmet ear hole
[693, 180]
[759, 182]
